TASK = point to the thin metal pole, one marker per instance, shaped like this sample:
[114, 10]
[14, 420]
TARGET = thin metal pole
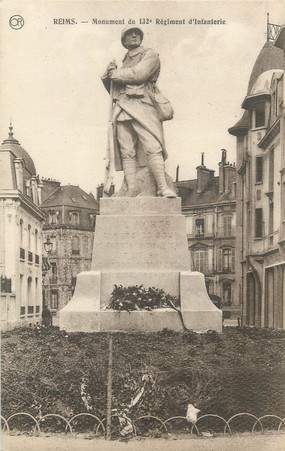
[109, 389]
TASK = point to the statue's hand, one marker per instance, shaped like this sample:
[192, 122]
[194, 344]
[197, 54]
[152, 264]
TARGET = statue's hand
[111, 66]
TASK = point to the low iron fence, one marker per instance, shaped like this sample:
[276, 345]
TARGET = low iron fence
[208, 425]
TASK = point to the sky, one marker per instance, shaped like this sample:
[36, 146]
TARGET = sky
[50, 78]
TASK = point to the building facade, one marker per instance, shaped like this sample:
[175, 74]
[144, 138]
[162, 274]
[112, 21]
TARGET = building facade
[209, 205]
[70, 215]
[260, 253]
[20, 236]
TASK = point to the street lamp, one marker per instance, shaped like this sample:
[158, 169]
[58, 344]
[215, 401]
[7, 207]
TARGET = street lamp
[48, 245]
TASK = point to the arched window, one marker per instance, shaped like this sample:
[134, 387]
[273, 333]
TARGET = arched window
[199, 227]
[75, 245]
[36, 241]
[21, 232]
[29, 294]
[29, 237]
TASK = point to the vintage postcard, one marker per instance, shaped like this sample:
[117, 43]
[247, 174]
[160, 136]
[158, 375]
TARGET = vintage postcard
[160, 125]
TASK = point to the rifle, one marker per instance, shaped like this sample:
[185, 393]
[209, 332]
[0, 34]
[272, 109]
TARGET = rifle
[110, 154]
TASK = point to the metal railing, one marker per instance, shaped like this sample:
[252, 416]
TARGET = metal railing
[145, 425]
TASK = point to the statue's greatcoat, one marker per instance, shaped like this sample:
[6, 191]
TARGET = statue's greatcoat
[133, 86]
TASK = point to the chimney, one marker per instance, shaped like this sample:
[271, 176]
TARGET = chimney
[19, 173]
[40, 187]
[230, 176]
[34, 189]
[204, 175]
[222, 165]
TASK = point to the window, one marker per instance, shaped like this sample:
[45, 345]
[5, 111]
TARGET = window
[226, 259]
[53, 278]
[92, 219]
[199, 261]
[189, 225]
[259, 169]
[227, 225]
[258, 222]
[75, 245]
[271, 171]
[227, 293]
[53, 241]
[29, 236]
[74, 217]
[36, 241]
[21, 232]
[53, 217]
[271, 218]
[200, 227]
[29, 291]
[260, 115]
[210, 286]
[229, 259]
[54, 299]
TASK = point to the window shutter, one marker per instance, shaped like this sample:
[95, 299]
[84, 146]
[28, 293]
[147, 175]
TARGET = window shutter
[233, 259]
[220, 260]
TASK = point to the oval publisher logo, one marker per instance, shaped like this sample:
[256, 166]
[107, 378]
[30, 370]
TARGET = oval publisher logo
[16, 22]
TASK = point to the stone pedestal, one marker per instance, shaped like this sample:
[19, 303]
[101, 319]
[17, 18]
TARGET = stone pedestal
[140, 241]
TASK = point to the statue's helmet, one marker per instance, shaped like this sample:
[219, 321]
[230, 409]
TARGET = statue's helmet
[125, 30]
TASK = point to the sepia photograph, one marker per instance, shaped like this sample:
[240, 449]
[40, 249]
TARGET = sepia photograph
[142, 225]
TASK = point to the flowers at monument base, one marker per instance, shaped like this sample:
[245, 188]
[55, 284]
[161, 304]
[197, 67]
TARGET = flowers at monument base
[138, 297]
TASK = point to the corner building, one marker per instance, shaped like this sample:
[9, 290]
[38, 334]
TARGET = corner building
[209, 205]
[20, 236]
[70, 216]
[260, 234]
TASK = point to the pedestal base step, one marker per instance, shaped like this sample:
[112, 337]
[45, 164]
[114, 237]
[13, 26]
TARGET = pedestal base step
[85, 312]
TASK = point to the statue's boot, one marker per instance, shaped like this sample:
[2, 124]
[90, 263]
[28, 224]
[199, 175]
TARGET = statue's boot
[157, 167]
[130, 172]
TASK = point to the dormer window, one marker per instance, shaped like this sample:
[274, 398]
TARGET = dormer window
[200, 227]
[74, 217]
[53, 217]
[259, 115]
[92, 219]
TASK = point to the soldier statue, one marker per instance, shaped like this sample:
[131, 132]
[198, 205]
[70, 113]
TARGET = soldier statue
[138, 109]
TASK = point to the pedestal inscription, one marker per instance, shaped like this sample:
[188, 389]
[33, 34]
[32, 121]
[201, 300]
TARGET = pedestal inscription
[140, 241]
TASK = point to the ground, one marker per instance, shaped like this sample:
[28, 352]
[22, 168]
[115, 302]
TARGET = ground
[236, 443]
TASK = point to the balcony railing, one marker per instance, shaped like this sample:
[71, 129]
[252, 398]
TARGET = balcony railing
[225, 269]
[30, 257]
[205, 269]
[53, 280]
[228, 232]
[22, 253]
